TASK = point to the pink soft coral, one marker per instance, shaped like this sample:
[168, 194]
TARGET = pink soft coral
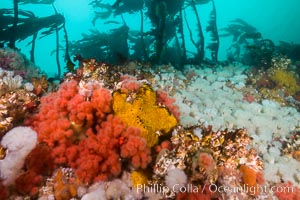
[169, 102]
[100, 155]
[129, 84]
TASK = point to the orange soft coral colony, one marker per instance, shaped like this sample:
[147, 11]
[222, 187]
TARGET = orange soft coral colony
[142, 111]
[65, 116]
[251, 179]
[100, 155]
[65, 184]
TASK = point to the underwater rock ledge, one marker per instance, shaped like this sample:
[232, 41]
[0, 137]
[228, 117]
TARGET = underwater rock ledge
[193, 129]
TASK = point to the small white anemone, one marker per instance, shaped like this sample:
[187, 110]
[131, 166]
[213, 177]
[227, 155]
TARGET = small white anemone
[29, 87]
[13, 82]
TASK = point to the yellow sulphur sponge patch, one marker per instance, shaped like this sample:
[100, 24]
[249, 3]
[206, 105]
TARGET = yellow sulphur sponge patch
[140, 110]
[138, 178]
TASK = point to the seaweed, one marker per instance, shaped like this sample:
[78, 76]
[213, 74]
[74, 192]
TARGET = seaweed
[241, 32]
[200, 43]
[163, 43]
[213, 46]
[259, 54]
[28, 26]
[243, 35]
[17, 25]
[108, 47]
[292, 50]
